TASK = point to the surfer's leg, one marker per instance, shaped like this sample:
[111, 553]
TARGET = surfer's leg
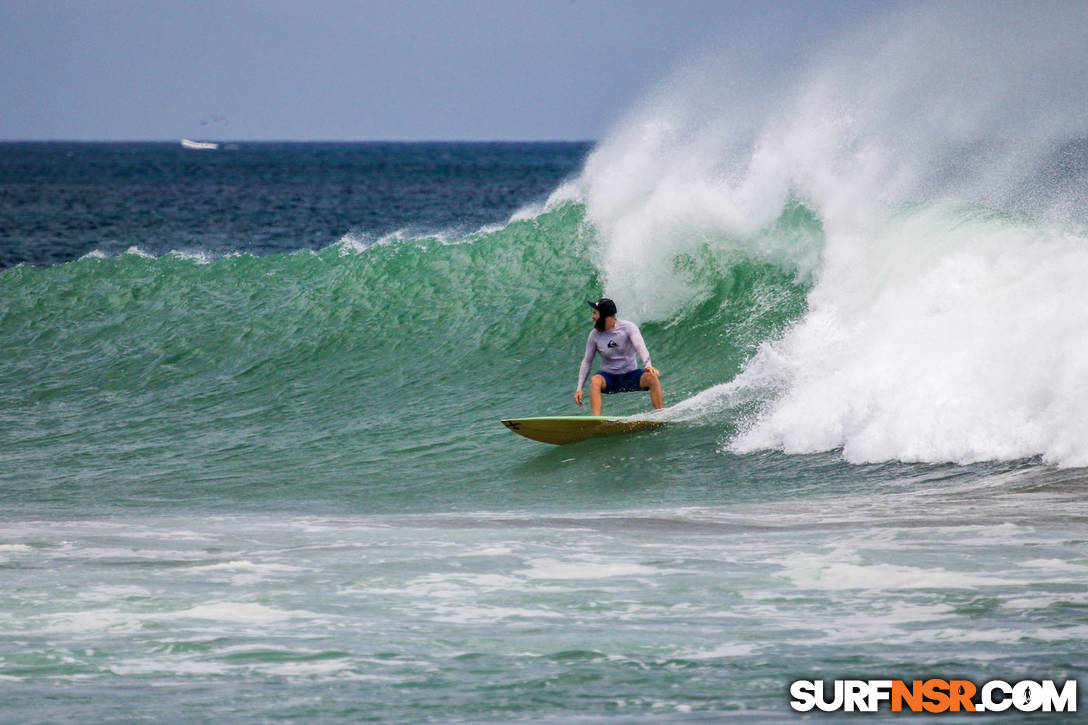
[657, 397]
[596, 386]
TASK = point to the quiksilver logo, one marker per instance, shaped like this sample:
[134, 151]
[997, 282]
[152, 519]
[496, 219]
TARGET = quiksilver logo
[613, 343]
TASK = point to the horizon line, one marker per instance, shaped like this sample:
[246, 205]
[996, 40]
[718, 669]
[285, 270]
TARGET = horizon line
[288, 140]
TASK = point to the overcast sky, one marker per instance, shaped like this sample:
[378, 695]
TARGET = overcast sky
[365, 69]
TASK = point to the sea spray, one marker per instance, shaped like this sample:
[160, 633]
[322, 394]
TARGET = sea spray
[945, 319]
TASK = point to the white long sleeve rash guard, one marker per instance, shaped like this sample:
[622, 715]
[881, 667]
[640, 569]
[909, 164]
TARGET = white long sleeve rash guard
[617, 348]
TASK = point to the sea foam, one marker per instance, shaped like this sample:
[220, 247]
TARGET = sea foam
[947, 313]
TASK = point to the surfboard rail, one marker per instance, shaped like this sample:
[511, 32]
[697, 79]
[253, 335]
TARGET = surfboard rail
[563, 429]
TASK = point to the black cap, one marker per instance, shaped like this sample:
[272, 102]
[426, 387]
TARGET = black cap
[605, 306]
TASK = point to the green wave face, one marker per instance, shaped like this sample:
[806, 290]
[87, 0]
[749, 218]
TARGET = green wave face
[384, 370]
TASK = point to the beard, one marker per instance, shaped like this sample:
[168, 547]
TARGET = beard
[599, 323]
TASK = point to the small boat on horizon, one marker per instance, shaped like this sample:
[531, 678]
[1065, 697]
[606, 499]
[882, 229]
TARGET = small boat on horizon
[186, 143]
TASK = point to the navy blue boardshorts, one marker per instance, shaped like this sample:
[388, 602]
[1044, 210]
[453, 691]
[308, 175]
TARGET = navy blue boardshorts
[622, 382]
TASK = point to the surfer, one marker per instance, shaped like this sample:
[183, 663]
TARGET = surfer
[617, 341]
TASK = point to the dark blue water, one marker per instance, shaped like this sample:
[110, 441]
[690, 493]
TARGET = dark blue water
[59, 201]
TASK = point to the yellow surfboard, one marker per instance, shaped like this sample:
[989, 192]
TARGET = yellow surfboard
[562, 429]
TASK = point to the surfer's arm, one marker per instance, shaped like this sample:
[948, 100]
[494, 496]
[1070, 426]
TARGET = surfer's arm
[635, 335]
[587, 360]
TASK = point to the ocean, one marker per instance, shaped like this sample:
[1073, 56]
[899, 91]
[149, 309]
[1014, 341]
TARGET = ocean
[251, 463]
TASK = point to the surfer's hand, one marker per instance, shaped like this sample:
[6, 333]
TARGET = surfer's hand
[652, 370]
[578, 397]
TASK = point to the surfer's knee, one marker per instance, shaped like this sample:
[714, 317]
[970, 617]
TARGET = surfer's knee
[598, 383]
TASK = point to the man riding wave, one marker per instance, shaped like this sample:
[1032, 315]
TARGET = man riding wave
[617, 342]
